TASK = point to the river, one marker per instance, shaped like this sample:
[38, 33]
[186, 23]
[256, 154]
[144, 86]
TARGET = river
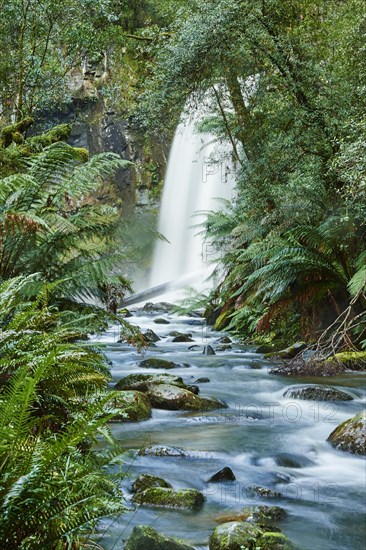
[266, 439]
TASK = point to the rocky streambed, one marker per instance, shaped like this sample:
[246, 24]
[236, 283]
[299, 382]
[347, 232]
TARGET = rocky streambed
[221, 454]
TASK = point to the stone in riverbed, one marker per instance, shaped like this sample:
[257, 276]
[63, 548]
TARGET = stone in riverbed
[226, 474]
[317, 393]
[168, 498]
[144, 537]
[153, 363]
[225, 347]
[262, 515]
[183, 338]
[350, 436]
[224, 340]
[162, 450]
[293, 460]
[172, 398]
[203, 380]
[142, 382]
[208, 350]
[263, 492]
[150, 336]
[235, 535]
[146, 481]
[163, 307]
[192, 388]
[161, 321]
[288, 353]
[134, 406]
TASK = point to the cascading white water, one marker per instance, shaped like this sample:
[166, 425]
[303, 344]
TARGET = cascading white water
[200, 172]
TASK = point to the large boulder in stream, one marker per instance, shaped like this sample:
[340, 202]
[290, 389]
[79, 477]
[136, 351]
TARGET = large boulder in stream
[168, 498]
[226, 474]
[317, 393]
[142, 382]
[173, 398]
[351, 435]
[134, 406]
[154, 363]
[239, 535]
[146, 481]
[235, 535]
[144, 537]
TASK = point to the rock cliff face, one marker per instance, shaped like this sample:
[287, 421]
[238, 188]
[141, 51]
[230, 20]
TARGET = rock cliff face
[99, 128]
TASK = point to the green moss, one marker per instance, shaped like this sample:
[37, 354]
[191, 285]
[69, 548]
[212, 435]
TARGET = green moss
[350, 359]
[167, 498]
[146, 481]
[274, 541]
[222, 321]
[144, 537]
[235, 536]
[134, 406]
[350, 436]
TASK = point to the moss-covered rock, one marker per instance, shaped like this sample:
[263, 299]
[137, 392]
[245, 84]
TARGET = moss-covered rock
[264, 514]
[134, 406]
[287, 353]
[274, 541]
[349, 360]
[172, 398]
[142, 382]
[202, 380]
[144, 537]
[154, 363]
[168, 498]
[161, 321]
[235, 535]
[350, 436]
[317, 393]
[146, 481]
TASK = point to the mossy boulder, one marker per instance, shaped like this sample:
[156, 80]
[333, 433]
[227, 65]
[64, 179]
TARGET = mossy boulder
[173, 398]
[349, 360]
[317, 393]
[168, 498]
[350, 436]
[202, 380]
[154, 363]
[274, 541]
[142, 382]
[146, 481]
[161, 321]
[287, 353]
[262, 515]
[144, 537]
[224, 340]
[235, 535]
[134, 406]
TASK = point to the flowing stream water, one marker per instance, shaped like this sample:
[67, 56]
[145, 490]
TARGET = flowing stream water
[266, 439]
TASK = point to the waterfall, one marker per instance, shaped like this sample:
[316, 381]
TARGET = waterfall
[200, 172]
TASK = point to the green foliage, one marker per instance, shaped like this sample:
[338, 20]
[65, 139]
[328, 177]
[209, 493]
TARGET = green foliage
[53, 403]
[49, 225]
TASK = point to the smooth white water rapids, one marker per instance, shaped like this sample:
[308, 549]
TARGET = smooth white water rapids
[200, 172]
